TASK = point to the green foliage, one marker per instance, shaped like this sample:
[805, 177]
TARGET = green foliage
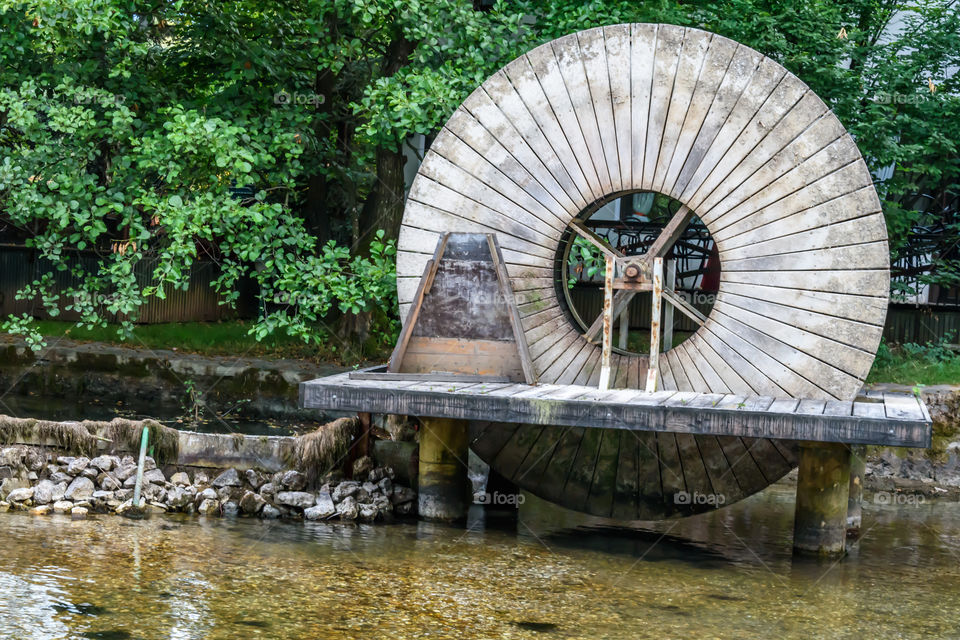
[917, 364]
[251, 133]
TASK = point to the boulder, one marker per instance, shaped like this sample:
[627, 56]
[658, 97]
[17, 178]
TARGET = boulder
[405, 509]
[347, 509]
[59, 476]
[177, 498]
[102, 496]
[362, 466]
[254, 478]
[63, 506]
[127, 506]
[149, 463]
[200, 478]
[207, 494]
[229, 478]
[65, 461]
[269, 512]
[154, 476]
[43, 492]
[123, 472]
[103, 463]
[251, 502]
[107, 482]
[209, 507]
[80, 489]
[59, 490]
[9, 484]
[4, 506]
[180, 478]
[344, 490]
[123, 494]
[41, 510]
[230, 508]
[79, 513]
[156, 507]
[402, 495]
[325, 504]
[78, 465]
[154, 492]
[386, 486]
[382, 503]
[299, 499]
[32, 476]
[268, 491]
[368, 512]
[91, 472]
[313, 513]
[293, 480]
[370, 488]
[20, 495]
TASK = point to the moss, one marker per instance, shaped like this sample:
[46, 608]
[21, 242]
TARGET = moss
[318, 451]
[165, 441]
[75, 437]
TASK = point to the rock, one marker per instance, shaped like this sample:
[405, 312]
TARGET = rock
[34, 460]
[405, 509]
[65, 461]
[180, 478]
[60, 476]
[149, 464]
[230, 508]
[368, 512]
[103, 496]
[370, 488]
[325, 504]
[209, 507]
[207, 494]
[124, 472]
[348, 510]
[80, 489]
[344, 490]
[229, 478]
[386, 486]
[103, 463]
[9, 484]
[269, 512]
[154, 476]
[32, 476]
[299, 499]
[156, 507]
[154, 493]
[43, 492]
[378, 474]
[4, 506]
[268, 491]
[402, 495]
[107, 482]
[91, 472]
[127, 506]
[382, 503]
[63, 506]
[123, 494]
[177, 498]
[362, 466]
[362, 496]
[333, 477]
[293, 480]
[78, 513]
[254, 478]
[41, 510]
[20, 495]
[251, 502]
[200, 478]
[59, 490]
[76, 467]
[313, 513]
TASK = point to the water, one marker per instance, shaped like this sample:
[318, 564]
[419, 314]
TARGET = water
[729, 574]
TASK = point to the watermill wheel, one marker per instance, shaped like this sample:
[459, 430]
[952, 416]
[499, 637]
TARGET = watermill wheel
[752, 152]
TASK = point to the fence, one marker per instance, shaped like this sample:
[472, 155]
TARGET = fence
[20, 266]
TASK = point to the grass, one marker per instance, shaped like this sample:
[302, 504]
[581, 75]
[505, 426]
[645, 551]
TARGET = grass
[908, 369]
[208, 338]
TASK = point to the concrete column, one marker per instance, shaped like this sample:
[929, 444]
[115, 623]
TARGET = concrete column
[858, 466]
[820, 519]
[444, 489]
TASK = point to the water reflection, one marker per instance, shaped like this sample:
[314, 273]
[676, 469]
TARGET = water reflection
[547, 574]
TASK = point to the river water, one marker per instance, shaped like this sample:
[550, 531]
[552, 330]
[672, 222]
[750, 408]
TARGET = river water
[553, 574]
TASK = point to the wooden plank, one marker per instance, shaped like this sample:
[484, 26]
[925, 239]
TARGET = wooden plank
[811, 407]
[515, 451]
[869, 409]
[428, 377]
[469, 357]
[492, 439]
[519, 336]
[642, 66]
[902, 407]
[838, 408]
[594, 69]
[626, 484]
[396, 358]
[671, 471]
[618, 50]
[694, 471]
[719, 471]
[553, 478]
[743, 467]
[577, 489]
[603, 485]
[668, 46]
[650, 502]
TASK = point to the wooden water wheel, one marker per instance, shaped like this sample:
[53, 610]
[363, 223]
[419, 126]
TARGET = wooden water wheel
[750, 151]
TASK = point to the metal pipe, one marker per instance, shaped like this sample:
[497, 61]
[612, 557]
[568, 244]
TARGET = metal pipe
[144, 436]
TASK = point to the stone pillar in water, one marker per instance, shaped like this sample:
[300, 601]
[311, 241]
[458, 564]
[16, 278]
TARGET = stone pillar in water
[444, 491]
[858, 467]
[820, 519]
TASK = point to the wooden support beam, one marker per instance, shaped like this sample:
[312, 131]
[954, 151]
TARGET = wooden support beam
[669, 284]
[820, 517]
[607, 323]
[444, 489]
[598, 242]
[653, 370]
[858, 468]
[669, 235]
[688, 309]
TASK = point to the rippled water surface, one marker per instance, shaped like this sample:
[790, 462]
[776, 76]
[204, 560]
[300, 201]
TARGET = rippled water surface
[555, 574]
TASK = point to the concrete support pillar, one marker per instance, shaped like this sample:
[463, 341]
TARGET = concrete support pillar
[820, 519]
[858, 466]
[444, 489]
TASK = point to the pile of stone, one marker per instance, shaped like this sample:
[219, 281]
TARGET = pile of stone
[43, 483]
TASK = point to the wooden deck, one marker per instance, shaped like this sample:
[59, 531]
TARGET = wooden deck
[880, 419]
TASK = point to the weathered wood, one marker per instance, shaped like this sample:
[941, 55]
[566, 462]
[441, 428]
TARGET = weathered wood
[905, 424]
[820, 520]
